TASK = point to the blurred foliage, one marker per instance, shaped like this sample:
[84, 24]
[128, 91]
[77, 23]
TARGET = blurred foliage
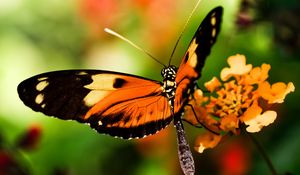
[39, 36]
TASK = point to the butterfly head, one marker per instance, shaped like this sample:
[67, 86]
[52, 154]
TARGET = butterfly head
[169, 73]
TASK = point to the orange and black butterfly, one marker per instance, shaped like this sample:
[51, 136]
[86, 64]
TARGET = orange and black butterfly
[120, 104]
[124, 105]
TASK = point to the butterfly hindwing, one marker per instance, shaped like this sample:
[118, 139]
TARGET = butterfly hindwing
[193, 61]
[113, 103]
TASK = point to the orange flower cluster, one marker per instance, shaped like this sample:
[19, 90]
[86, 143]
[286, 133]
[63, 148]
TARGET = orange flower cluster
[242, 98]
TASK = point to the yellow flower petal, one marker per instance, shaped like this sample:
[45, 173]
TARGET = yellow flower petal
[275, 93]
[258, 74]
[229, 123]
[253, 111]
[199, 98]
[198, 94]
[213, 84]
[206, 140]
[237, 65]
[257, 123]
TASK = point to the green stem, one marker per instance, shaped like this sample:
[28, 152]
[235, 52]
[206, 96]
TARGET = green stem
[263, 153]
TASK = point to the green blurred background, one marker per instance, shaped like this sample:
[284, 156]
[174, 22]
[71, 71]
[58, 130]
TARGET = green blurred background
[40, 36]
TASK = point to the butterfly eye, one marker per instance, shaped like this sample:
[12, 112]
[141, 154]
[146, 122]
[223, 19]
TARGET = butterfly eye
[163, 71]
[174, 68]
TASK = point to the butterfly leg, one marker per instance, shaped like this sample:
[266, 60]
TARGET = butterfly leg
[201, 123]
[191, 123]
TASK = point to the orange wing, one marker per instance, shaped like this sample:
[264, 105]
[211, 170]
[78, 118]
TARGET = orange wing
[117, 104]
[193, 61]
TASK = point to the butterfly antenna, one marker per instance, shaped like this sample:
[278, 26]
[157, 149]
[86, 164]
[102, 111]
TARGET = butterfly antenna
[131, 43]
[184, 28]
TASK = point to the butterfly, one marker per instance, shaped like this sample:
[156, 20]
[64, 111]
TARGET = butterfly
[119, 104]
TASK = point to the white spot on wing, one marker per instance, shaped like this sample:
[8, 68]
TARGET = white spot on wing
[102, 81]
[213, 32]
[193, 61]
[193, 46]
[82, 73]
[42, 78]
[43, 105]
[39, 99]
[41, 85]
[94, 97]
[213, 21]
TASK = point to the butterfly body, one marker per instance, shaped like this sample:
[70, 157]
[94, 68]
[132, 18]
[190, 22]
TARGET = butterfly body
[169, 83]
[120, 104]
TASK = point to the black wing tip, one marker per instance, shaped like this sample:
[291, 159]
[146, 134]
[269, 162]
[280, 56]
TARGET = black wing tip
[25, 92]
[218, 8]
[21, 89]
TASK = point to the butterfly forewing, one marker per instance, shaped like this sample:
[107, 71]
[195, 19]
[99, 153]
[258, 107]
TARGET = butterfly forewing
[193, 61]
[113, 103]
[200, 45]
